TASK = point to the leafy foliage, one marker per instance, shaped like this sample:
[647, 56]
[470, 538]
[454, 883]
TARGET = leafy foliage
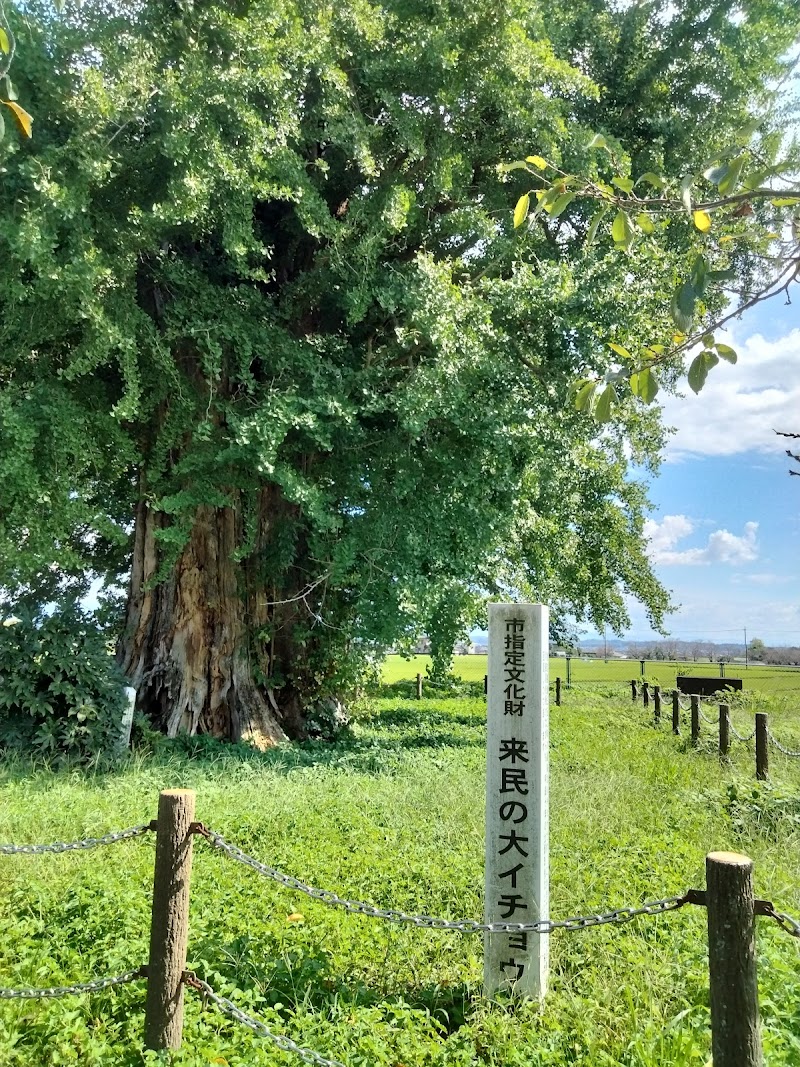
[60, 694]
[261, 252]
[747, 194]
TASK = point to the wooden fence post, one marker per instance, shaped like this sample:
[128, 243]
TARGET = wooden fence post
[419, 686]
[676, 712]
[762, 746]
[633, 689]
[735, 1040]
[558, 692]
[645, 694]
[485, 684]
[724, 731]
[169, 928]
[656, 704]
[695, 719]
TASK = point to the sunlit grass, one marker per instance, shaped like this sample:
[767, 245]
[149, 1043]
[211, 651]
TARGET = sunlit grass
[394, 814]
[585, 671]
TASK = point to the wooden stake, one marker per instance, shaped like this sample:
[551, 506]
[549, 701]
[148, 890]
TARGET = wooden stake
[695, 719]
[676, 712]
[169, 928]
[558, 692]
[724, 731]
[762, 746]
[656, 704]
[633, 689]
[735, 1038]
[419, 686]
[645, 694]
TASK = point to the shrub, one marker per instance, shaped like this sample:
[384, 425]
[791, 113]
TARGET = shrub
[61, 694]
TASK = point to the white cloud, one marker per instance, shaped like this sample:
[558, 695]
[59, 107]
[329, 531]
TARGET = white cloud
[721, 547]
[765, 579]
[740, 406]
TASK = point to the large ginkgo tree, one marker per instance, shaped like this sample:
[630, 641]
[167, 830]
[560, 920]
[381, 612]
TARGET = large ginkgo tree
[275, 358]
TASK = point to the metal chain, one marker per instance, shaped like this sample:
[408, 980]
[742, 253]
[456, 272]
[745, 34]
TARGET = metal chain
[705, 718]
[75, 846]
[66, 990]
[779, 746]
[284, 1043]
[786, 922]
[464, 926]
[738, 736]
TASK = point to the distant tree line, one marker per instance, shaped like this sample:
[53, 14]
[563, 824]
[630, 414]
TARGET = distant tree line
[713, 652]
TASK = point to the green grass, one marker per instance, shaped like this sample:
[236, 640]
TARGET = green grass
[597, 671]
[394, 815]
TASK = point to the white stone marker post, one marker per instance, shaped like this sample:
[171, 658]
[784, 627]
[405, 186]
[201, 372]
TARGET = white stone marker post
[124, 739]
[517, 798]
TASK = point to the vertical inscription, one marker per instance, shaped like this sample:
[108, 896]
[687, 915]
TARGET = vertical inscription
[516, 797]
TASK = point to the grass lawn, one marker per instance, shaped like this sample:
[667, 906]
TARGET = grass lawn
[594, 671]
[394, 815]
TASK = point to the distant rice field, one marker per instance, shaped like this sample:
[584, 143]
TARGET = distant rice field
[662, 672]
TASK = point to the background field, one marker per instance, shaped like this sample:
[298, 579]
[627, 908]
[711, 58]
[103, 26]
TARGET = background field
[394, 814]
[589, 671]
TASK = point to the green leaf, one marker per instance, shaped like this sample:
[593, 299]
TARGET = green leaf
[785, 201]
[7, 90]
[605, 403]
[755, 179]
[725, 352]
[699, 275]
[708, 339]
[698, 371]
[625, 184]
[620, 350]
[584, 393]
[686, 192]
[59, 5]
[731, 180]
[716, 174]
[645, 223]
[598, 141]
[622, 230]
[560, 205]
[597, 218]
[5, 44]
[521, 210]
[537, 161]
[682, 306]
[2, 127]
[720, 275]
[652, 179]
[644, 385]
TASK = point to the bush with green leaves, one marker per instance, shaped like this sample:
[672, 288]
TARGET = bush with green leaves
[61, 694]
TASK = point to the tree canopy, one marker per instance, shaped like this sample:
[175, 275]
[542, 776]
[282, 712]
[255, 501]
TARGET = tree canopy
[273, 354]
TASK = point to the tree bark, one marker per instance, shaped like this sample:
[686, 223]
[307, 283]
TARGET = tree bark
[188, 647]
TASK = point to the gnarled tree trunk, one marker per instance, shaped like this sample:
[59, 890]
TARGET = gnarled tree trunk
[188, 645]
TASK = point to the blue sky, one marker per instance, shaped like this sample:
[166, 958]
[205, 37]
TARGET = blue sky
[725, 530]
